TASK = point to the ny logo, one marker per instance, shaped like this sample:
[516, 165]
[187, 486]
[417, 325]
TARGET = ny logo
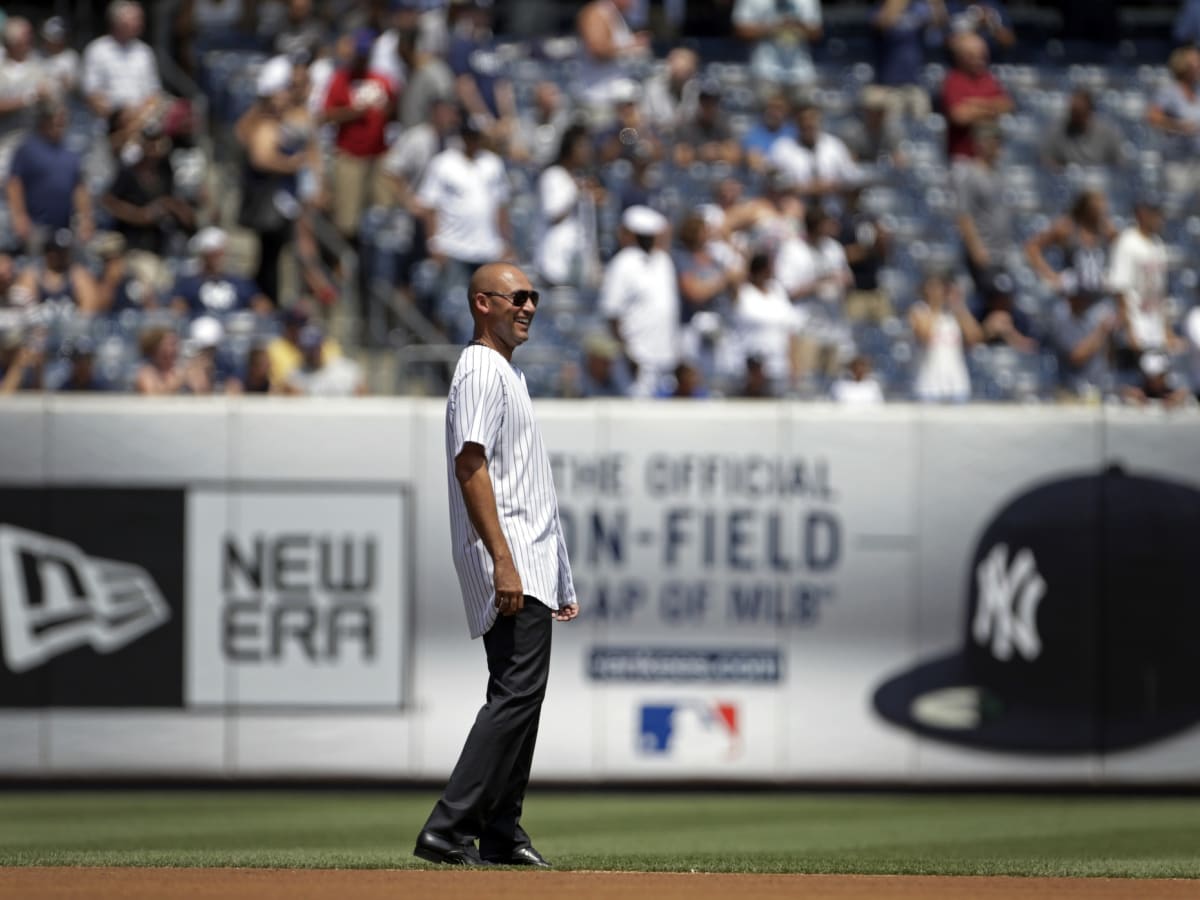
[1008, 598]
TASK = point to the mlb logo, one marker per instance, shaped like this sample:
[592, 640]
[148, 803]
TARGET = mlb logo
[690, 730]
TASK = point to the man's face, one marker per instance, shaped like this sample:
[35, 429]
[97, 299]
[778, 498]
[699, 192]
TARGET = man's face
[19, 46]
[56, 127]
[809, 125]
[1192, 69]
[212, 260]
[444, 118]
[774, 112]
[1149, 219]
[128, 25]
[1080, 110]
[972, 54]
[547, 98]
[599, 368]
[505, 320]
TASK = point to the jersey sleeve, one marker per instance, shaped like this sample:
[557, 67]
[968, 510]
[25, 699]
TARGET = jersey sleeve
[1120, 270]
[612, 290]
[429, 191]
[476, 409]
[566, 581]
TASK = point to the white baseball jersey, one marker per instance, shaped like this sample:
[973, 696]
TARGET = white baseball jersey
[489, 405]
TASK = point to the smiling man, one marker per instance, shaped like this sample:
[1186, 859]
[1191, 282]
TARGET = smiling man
[513, 570]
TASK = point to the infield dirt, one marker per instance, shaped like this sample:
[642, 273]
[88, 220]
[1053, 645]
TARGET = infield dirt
[379, 884]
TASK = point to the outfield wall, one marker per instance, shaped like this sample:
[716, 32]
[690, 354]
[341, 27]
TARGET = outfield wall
[262, 588]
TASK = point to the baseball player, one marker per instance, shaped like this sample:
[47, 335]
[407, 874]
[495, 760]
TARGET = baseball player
[514, 573]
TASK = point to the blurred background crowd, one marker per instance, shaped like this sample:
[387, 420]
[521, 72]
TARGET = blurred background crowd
[923, 200]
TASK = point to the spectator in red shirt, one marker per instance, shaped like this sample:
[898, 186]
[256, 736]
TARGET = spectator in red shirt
[360, 103]
[971, 95]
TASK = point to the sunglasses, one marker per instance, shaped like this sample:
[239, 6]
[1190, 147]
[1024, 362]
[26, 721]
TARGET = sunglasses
[516, 298]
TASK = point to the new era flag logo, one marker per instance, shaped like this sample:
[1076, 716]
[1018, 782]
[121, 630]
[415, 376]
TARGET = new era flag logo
[54, 598]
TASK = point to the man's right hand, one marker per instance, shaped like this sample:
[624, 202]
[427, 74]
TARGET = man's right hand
[510, 595]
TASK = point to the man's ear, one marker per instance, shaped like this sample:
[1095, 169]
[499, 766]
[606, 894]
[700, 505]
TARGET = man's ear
[479, 302]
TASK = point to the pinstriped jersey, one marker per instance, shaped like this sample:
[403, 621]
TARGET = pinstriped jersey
[489, 405]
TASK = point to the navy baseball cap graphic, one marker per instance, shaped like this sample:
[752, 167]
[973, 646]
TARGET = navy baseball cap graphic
[1082, 614]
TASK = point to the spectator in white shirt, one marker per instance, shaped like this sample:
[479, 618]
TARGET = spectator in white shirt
[463, 201]
[858, 386]
[768, 325]
[672, 95]
[464, 193]
[119, 69]
[781, 31]
[22, 84]
[817, 162]
[567, 251]
[410, 155]
[640, 298]
[542, 124]
[321, 374]
[1137, 276]
[816, 275]
[59, 59]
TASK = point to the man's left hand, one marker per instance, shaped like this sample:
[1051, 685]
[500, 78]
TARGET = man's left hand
[566, 613]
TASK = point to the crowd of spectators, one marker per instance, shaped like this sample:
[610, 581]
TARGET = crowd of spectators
[697, 228]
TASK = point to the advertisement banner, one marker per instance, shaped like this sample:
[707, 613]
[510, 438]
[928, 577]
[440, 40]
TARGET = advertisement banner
[769, 592]
[719, 569]
[296, 596]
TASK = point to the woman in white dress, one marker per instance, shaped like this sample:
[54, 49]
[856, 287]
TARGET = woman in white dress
[566, 251]
[944, 329]
[768, 324]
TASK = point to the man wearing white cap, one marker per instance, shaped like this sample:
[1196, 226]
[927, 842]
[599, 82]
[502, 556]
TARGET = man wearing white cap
[640, 299]
[212, 290]
[60, 60]
[202, 373]
[119, 69]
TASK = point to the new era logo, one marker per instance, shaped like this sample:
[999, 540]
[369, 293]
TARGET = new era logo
[54, 598]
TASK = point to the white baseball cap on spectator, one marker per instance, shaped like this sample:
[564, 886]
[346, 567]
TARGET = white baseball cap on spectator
[644, 221]
[206, 332]
[208, 240]
[1154, 363]
[274, 76]
[54, 29]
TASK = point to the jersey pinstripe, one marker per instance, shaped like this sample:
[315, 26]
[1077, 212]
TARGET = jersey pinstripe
[489, 405]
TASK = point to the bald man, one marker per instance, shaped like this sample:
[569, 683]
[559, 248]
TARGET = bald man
[971, 95]
[514, 573]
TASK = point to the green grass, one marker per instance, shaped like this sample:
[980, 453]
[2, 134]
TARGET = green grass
[969, 835]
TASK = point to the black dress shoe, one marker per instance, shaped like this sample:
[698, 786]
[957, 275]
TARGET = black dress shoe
[435, 848]
[521, 856]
